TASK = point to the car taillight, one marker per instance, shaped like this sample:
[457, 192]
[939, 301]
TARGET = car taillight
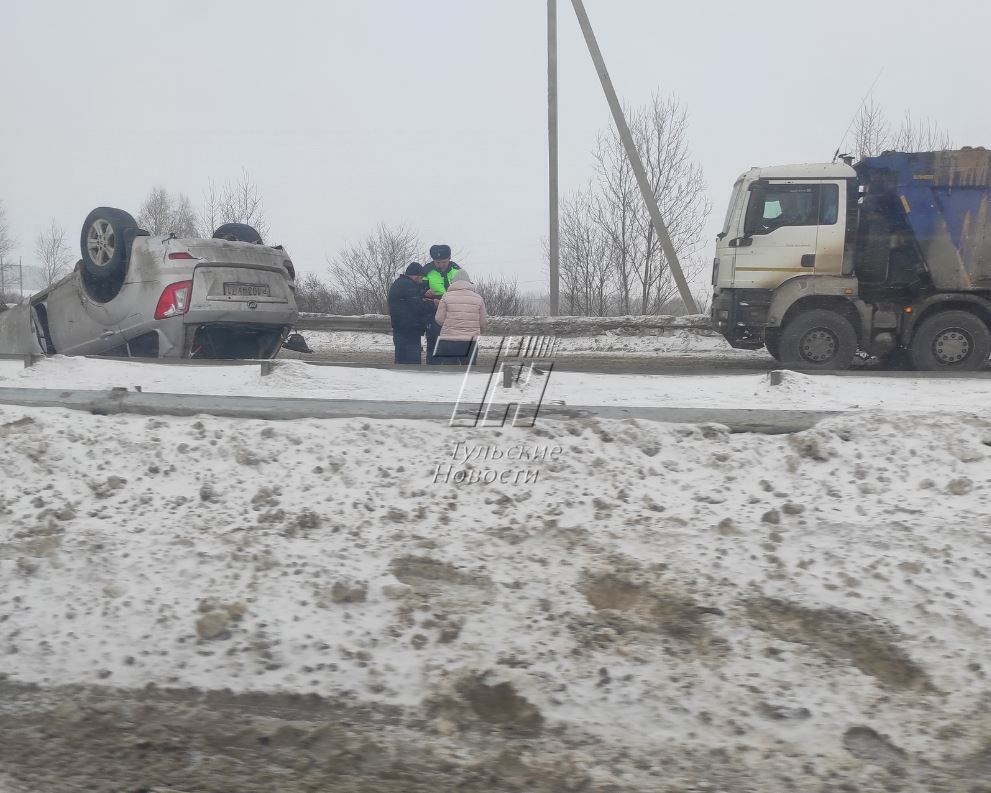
[181, 255]
[174, 300]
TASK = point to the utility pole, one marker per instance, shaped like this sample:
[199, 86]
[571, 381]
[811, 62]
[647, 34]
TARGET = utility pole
[554, 234]
[635, 162]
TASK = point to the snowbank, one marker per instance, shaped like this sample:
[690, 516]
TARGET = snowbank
[811, 607]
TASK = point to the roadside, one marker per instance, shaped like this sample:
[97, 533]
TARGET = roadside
[249, 605]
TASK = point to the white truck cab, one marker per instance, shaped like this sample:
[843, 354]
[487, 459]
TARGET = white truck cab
[783, 222]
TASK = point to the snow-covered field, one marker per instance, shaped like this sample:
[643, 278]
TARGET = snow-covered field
[811, 607]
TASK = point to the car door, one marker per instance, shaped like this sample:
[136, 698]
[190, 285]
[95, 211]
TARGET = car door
[78, 324]
[783, 223]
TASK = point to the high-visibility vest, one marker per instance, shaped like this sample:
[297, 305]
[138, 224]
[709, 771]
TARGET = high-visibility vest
[438, 281]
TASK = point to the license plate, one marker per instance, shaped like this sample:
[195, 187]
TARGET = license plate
[246, 290]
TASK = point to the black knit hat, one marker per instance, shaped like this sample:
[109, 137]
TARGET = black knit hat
[414, 268]
[440, 252]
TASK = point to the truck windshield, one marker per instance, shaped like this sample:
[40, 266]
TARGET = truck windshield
[732, 206]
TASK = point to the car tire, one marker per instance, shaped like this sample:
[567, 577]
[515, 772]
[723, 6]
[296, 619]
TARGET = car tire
[819, 339]
[105, 244]
[951, 341]
[237, 232]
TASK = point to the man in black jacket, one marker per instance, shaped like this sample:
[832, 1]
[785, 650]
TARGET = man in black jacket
[409, 312]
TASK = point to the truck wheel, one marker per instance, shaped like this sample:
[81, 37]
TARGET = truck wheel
[818, 339]
[955, 340]
[104, 245]
[772, 343]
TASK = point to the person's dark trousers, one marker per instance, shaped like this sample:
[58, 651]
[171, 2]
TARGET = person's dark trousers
[407, 343]
[433, 331]
[456, 353]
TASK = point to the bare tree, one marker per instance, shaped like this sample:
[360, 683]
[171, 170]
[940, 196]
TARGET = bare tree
[314, 295]
[7, 244]
[235, 202]
[53, 252]
[871, 131]
[610, 219]
[162, 213]
[585, 252]
[873, 135]
[615, 205]
[363, 272]
[924, 135]
[502, 296]
[184, 220]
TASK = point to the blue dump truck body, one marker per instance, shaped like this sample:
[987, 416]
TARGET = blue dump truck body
[943, 198]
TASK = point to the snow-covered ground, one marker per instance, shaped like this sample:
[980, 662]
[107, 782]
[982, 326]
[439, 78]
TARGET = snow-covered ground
[675, 342]
[808, 605]
[813, 607]
[297, 379]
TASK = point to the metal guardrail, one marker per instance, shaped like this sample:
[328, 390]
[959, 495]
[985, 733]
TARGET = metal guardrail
[28, 359]
[123, 401]
[516, 326]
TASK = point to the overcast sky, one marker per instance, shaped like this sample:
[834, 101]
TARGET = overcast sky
[433, 113]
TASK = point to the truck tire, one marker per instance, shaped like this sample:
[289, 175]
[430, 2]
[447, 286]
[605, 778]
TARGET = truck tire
[104, 243]
[772, 343]
[951, 340]
[818, 339]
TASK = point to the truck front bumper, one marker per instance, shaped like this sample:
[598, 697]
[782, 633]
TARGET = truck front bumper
[740, 315]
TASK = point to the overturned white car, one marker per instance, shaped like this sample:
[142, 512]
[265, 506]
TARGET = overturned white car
[137, 295]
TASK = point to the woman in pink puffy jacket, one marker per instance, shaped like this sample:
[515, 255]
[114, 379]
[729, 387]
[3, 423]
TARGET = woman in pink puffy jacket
[461, 315]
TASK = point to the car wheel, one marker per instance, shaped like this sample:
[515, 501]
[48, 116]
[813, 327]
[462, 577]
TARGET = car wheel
[237, 232]
[105, 245]
[818, 339]
[951, 340]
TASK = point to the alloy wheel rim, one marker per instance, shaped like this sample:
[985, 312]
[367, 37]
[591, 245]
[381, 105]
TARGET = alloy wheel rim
[100, 242]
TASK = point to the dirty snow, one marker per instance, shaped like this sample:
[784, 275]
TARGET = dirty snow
[818, 604]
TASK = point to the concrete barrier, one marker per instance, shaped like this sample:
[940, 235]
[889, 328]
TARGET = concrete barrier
[530, 326]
